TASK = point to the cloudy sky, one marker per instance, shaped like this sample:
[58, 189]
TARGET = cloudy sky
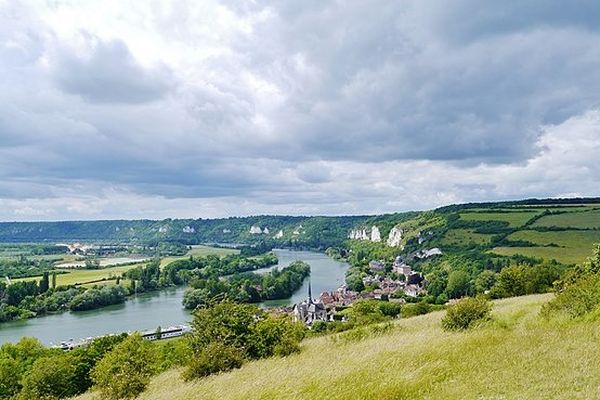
[141, 109]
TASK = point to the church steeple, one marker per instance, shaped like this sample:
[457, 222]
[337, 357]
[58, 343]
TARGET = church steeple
[310, 299]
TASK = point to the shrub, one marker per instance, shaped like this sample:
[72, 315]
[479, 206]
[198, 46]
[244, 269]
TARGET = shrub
[390, 309]
[215, 357]
[577, 299]
[412, 310]
[466, 313]
[126, 370]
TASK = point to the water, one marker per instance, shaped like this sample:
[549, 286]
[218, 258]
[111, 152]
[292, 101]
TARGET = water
[149, 310]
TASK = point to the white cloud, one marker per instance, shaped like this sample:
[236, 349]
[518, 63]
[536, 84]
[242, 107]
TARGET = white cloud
[154, 109]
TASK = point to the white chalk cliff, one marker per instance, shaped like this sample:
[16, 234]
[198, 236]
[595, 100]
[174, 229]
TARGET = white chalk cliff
[395, 237]
[375, 234]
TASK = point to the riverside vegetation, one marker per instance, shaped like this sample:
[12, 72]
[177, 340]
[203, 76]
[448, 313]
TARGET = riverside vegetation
[474, 263]
[423, 357]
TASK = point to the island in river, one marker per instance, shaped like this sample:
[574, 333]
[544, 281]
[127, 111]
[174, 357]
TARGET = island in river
[160, 308]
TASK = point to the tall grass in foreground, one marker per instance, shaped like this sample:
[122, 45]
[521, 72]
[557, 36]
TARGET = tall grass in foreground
[518, 355]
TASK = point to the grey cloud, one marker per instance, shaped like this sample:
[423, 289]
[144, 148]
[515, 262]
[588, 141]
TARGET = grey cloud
[109, 74]
[321, 106]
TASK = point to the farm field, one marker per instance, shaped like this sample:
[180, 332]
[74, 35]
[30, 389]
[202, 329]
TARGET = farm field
[567, 239]
[82, 276]
[417, 360]
[572, 256]
[514, 219]
[582, 220]
[199, 251]
[463, 237]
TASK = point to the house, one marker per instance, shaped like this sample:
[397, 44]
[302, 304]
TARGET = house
[413, 290]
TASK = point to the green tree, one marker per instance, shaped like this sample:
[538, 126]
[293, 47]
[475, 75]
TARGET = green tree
[49, 378]
[484, 281]
[126, 370]
[458, 284]
[44, 283]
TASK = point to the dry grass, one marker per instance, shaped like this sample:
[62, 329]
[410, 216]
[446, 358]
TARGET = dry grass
[517, 356]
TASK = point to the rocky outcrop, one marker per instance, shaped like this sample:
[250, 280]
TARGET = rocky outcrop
[255, 230]
[375, 234]
[279, 235]
[358, 234]
[395, 237]
[188, 229]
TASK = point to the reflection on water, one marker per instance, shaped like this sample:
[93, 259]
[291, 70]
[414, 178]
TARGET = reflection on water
[149, 310]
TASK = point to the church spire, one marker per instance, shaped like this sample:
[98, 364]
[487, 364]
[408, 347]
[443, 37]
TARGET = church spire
[310, 299]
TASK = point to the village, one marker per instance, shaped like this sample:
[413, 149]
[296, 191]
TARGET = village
[397, 286]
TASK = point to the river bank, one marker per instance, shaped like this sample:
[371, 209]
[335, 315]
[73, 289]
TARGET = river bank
[164, 307]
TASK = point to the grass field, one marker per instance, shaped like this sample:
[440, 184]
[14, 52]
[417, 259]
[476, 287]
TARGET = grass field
[464, 237]
[199, 251]
[575, 245]
[514, 219]
[81, 276]
[589, 219]
[567, 239]
[517, 356]
[549, 253]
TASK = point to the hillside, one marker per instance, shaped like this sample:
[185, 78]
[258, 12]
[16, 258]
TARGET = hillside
[559, 229]
[503, 360]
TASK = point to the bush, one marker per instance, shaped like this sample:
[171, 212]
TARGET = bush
[125, 371]
[578, 299]
[215, 357]
[390, 309]
[412, 310]
[466, 313]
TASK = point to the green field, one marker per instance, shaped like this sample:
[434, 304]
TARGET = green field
[72, 276]
[82, 276]
[462, 237]
[517, 356]
[585, 220]
[566, 239]
[199, 251]
[514, 219]
[559, 254]
[574, 246]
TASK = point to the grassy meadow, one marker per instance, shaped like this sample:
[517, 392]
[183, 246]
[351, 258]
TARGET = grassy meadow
[588, 219]
[464, 237]
[199, 251]
[88, 277]
[516, 356]
[515, 219]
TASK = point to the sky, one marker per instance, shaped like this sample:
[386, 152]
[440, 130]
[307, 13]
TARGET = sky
[200, 109]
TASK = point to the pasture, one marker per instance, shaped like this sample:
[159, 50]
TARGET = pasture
[515, 219]
[581, 220]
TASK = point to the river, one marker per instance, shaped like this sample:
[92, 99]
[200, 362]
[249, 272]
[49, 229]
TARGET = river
[149, 310]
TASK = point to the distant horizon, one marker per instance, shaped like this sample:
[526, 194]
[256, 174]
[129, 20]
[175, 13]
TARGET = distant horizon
[532, 199]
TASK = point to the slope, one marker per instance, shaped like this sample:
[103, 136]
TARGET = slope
[517, 356]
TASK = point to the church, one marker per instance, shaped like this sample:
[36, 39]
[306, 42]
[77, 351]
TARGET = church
[310, 310]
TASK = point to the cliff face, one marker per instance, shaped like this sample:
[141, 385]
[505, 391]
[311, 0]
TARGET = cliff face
[375, 234]
[395, 237]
